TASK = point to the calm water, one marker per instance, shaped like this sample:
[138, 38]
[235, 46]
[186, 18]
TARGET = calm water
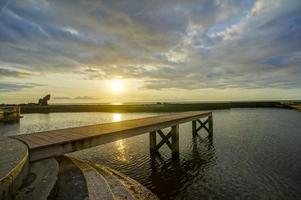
[254, 154]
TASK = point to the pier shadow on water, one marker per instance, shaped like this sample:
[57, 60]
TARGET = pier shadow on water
[171, 177]
[241, 161]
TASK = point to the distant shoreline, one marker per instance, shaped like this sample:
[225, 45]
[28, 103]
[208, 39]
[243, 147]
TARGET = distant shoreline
[159, 107]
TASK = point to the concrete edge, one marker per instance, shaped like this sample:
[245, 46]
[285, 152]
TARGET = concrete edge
[135, 188]
[14, 178]
[45, 175]
[97, 185]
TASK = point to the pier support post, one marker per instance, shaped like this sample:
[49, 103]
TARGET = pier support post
[208, 128]
[173, 144]
[153, 142]
[194, 132]
[175, 141]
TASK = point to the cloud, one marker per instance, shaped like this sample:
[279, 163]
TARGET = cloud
[13, 73]
[78, 98]
[62, 98]
[84, 97]
[171, 44]
[13, 87]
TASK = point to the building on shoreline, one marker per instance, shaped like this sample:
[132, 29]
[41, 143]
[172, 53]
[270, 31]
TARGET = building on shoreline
[10, 114]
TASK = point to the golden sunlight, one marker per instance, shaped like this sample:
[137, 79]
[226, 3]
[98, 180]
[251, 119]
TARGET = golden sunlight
[117, 85]
[122, 154]
[117, 117]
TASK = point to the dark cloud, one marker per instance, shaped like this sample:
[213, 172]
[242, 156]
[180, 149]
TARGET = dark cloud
[62, 98]
[13, 73]
[168, 44]
[12, 87]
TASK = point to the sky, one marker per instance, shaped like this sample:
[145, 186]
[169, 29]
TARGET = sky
[149, 50]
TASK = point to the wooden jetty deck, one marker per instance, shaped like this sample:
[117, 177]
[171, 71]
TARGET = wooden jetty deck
[58, 142]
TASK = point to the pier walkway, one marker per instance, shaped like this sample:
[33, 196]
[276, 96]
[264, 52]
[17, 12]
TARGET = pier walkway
[58, 142]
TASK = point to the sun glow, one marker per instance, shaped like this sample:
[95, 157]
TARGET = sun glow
[117, 85]
[122, 153]
[117, 117]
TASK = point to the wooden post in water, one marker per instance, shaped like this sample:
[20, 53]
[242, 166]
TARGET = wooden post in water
[198, 124]
[152, 142]
[210, 125]
[175, 141]
[194, 132]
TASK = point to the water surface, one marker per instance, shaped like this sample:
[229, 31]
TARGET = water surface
[254, 154]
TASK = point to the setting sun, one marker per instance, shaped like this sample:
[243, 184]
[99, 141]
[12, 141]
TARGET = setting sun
[117, 85]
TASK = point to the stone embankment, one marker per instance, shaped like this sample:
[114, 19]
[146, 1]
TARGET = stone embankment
[61, 178]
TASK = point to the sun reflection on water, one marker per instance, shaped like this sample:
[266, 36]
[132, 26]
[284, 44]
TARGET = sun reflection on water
[117, 117]
[122, 154]
[120, 146]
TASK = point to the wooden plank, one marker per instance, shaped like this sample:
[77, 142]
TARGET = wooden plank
[96, 130]
[114, 127]
[34, 141]
[203, 123]
[165, 139]
[87, 136]
[50, 137]
[201, 128]
[29, 141]
[162, 142]
[59, 136]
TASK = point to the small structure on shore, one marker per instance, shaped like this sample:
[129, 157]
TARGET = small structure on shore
[10, 114]
[44, 101]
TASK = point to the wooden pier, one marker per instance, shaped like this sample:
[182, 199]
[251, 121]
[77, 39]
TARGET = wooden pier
[58, 142]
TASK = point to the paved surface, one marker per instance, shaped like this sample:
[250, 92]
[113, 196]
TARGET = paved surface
[12, 154]
[40, 181]
[13, 165]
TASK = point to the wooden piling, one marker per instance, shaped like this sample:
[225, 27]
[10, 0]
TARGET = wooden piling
[198, 124]
[175, 141]
[152, 142]
[194, 131]
[210, 125]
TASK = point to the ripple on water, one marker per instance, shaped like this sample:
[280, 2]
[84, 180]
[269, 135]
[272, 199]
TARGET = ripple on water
[251, 155]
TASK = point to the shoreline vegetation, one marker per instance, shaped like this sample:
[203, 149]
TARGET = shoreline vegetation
[156, 107]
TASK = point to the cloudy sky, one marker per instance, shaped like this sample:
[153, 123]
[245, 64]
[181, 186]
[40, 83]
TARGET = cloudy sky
[192, 50]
